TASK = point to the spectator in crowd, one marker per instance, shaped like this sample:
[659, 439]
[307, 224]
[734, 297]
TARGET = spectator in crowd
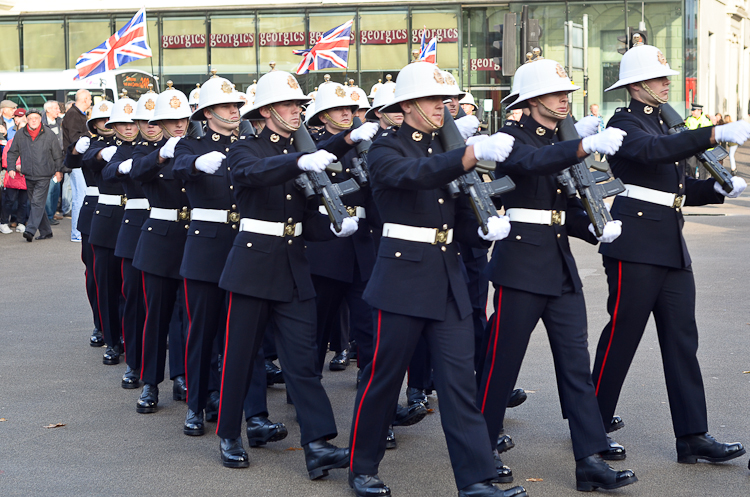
[9, 129]
[15, 186]
[594, 111]
[53, 121]
[731, 147]
[74, 127]
[697, 118]
[41, 159]
[68, 105]
[718, 119]
[514, 115]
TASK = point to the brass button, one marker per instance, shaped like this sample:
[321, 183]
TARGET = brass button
[231, 187]
[640, 213]
[678, 209]
[127, 220]
[234, 226]
[229, 168]
[445, 226]
[398, 254]
[85, 203]
[289, 196]
[150, 228]
[680, 185]
[518, 237]
[443, 248]
[97, 212]
[161, 175]
[249, 245]
[183, 190]
[234, 206]
[285, 151]
[227, 149]
[290, 220]
[187, 226]
[197, 232]
[558, 235]
[429, 150]
[559, 191]
[441, 201]
[290, 241]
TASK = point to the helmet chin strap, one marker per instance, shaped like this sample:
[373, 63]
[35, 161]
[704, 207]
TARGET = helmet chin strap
[388, 119]
[336, 123]
[104, 131]
[429, 121]
[150, 137]
[558, 115]
[281, 120]
[651, 92]
[127, 138]
[223, 119]
[165, 130]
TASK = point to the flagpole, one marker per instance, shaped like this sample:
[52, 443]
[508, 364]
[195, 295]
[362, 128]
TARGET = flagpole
[148, 37]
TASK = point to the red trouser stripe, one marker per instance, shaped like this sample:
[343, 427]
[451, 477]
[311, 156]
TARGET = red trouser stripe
[494, 346]
[145, 327]
[369, 382]
[614, 321]
[96, 284]
[224, 362]
[187, 342]
[122, 324]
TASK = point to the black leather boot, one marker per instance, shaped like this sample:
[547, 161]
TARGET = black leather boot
[233, 454]
[96, 339]
[148, 400]
[504, 443]
[616, 452]
[409, 416]
[592, 473]
[486, 489]
[340, 361]
[504, 473]
[322, 456]
[212, 406]
[417, 396]
[193, 423]
[390, 439]
[111, 356]
[260, 431]
[517, 398]
[368, 486]
[130, 379]
[615, 424]
[274, 375]
[179, 388]
[690, 448]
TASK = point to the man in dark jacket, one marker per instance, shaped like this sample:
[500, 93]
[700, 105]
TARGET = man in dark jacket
[74, 127]
[41, 158]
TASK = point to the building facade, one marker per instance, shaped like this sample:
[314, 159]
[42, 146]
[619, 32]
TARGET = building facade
[241, 39]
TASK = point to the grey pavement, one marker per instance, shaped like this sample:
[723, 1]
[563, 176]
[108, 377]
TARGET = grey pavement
[49, 374]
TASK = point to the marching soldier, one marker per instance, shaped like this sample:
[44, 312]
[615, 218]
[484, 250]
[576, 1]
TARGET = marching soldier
[535, 275]
[159, 253]
[105, 226]
[136, 212]
[649, 269]
[268, 277]
[417, 287]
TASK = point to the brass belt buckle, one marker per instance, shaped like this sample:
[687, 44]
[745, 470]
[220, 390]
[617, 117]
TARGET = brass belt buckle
[183, 215]
[123, 200]
[234, 217]
[678, 199]
[352, 211]
[556, 218]
[440, 236]
[289, 230]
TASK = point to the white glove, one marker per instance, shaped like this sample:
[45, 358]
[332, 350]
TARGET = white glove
[364, 132]
[738, 183]
[612, 230]
[348, 227]
[83, 144]
[317, 161]
[498, 228]
[587, 126]
[125, 166]
[496, 148]
[167, 150]
[607, 142]
[209, 163]
[737, 132]
[467, 125]
[108, 152]
[473, 140]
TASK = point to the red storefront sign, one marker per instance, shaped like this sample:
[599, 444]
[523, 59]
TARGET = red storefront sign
[315, 36]
[237, 40]
[443, 35]
[282, 39]
[183, 41]
[484, 65]
[383, 37]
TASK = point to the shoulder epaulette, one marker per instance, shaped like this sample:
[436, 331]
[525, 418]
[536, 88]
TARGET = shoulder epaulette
[620, 109]
[510, 123]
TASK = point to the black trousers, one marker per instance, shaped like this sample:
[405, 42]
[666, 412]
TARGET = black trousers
[452, 349]
[108, 291]
[178, 328]
[37, 190]
[256, 399]
[517, 313]
[87, 257]
[247, 318]
[10, 197]
[134, 314]
[478, 284]
[635, 292]
[161, 296]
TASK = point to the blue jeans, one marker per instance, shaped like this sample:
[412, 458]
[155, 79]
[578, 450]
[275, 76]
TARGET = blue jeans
[53, 196]
[78, 186]
[67, 195]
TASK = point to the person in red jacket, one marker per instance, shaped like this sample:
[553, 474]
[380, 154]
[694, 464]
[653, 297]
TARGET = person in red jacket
[15, 186]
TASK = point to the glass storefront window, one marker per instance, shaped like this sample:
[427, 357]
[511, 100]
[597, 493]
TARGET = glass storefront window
[184, 48]
[278, 35]
[84, 35]
[383, 39]
[443, 25]
[44, 45]
[10, 55]
[232, 43]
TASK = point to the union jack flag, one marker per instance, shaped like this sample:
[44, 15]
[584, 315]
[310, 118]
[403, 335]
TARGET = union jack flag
[331, 50]
[127, 45]
[428, 51]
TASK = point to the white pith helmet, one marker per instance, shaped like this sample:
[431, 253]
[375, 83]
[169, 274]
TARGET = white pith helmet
[193, 98]
[330, 96]
[449, 79]
[419, 80]
[123, 111]
[144, 110]
[171, 104]
[359, 96]
[469, 99]
[537, 78]
[513, 95]
[383, 97]
[102, 110]
[274, 87]
[246, 102]
[309, 111]
[375, 89]
[250, 96]
[641, 63]
[215, 91]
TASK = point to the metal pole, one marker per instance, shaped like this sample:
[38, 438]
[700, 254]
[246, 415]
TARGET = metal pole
[585, 63]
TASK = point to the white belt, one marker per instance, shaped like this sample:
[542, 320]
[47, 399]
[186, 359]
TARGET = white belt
[654, 196]
[110, 199]
[214, 215]
[353, 211]
[415, 234]
[137, 203]
[167, 214]
[269, 228]
[536, 216]
[92, 191]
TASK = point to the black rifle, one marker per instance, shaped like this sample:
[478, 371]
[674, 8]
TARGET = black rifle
[358, 169]
[312, 183]
[246, 128]
[710, 158]
[195, 129]
[579, 179]
[471, 184]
